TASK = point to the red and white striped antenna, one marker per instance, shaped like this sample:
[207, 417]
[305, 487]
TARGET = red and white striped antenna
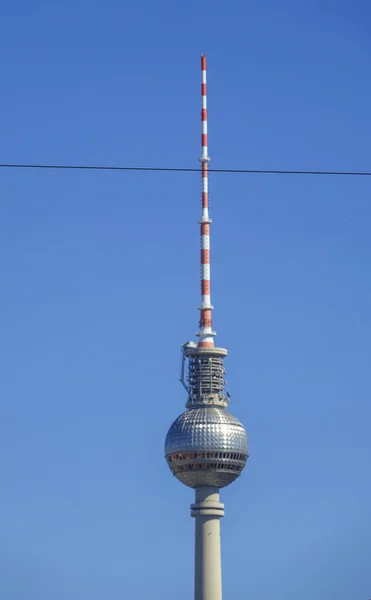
[206, 333]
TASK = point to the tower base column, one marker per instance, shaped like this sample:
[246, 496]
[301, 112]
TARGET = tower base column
[208, 569]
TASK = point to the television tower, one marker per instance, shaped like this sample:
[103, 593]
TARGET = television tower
[206, 447]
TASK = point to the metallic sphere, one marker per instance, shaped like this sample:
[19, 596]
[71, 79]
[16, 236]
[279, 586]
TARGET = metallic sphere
[206, 446]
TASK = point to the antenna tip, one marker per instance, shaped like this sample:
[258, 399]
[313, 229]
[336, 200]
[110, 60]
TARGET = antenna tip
[203, 62]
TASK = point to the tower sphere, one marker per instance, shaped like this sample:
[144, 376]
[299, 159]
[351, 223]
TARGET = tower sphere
[206, 446]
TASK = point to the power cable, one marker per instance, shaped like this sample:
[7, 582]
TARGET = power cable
[184, 170]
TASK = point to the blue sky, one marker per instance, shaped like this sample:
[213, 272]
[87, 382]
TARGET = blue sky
[100, 288]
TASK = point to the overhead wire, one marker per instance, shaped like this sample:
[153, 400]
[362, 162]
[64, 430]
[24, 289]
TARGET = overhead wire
[184, 170]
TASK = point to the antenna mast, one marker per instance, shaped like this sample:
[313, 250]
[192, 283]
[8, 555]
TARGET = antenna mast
[206, 333]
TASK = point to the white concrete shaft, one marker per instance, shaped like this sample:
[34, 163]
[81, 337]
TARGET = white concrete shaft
[208, 568]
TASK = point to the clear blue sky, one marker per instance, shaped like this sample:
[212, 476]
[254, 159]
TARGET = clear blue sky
[99, 280]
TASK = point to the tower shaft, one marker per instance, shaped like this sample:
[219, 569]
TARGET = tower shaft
[207, 511]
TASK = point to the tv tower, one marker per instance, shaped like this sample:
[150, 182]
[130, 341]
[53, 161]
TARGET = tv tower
[206, 447]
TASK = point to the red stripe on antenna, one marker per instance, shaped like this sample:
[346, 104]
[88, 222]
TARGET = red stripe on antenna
[205, 257]
[205, 287]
